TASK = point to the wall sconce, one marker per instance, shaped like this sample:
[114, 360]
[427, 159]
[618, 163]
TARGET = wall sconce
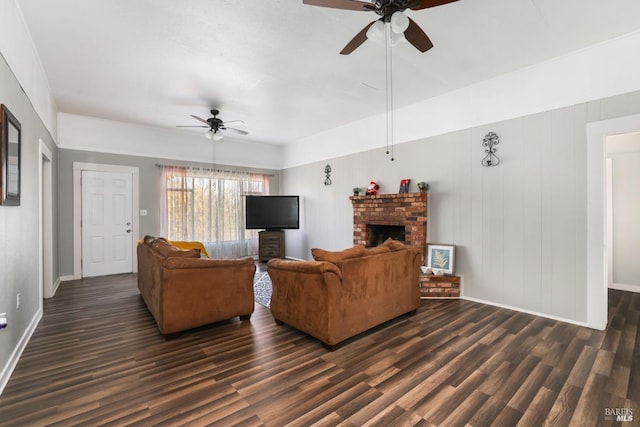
[488, 142]
[327, 174]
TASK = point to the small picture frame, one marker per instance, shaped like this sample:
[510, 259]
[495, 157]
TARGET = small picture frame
[404, 185]
[441, 258]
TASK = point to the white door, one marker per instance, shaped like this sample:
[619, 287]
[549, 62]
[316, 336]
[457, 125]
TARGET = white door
[106, 223]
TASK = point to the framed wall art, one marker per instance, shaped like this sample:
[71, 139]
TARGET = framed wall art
[10, 157]
[404, 185]
[441, 258]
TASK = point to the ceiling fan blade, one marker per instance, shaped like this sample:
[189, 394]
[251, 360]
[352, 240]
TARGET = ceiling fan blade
[340, 4]
[241, 132]
[234, 121]
[360, 38]
[417, 37]
[192, 126]
[198, 118]
[425, 4]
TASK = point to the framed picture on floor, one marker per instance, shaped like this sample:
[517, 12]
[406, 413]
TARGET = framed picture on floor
[441, 258]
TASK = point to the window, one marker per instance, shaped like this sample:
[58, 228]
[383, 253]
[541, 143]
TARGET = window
[208, 206]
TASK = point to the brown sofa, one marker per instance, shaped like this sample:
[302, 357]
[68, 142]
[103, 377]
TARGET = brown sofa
[342, 294]
[184, 291]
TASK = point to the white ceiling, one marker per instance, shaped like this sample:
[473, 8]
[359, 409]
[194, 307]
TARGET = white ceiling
[275, 64]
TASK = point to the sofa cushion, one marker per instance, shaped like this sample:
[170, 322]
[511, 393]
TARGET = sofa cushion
[380, 249]
[394, 245]
[167, 250]
[337, 256]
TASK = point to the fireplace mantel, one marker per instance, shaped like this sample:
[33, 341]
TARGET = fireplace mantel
[406, 209]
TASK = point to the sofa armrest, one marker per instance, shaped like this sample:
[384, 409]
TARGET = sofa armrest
[306, 295]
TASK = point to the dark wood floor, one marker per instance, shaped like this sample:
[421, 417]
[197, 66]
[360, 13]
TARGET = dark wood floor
[97, 358]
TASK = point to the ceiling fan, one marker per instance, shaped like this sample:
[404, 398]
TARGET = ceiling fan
[390, 11]
[216, 126]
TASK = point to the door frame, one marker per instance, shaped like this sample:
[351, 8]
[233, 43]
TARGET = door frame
[78, 167]
[45, 202]
[598, 215]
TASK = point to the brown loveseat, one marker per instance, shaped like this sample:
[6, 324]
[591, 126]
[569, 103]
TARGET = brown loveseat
[183, 291]
[342, 294]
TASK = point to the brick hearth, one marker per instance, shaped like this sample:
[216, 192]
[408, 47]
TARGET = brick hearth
[405, 209]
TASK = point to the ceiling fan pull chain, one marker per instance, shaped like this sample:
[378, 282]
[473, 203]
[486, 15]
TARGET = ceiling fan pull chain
[389, 96]
[386, 92]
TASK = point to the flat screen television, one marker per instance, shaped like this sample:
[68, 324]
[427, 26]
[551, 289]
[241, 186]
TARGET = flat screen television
[272, 212]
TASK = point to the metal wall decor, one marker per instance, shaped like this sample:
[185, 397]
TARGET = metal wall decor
[490, 140]
[327, 174]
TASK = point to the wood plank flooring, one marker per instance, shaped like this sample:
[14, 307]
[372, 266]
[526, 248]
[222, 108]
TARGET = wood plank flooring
[97, 358]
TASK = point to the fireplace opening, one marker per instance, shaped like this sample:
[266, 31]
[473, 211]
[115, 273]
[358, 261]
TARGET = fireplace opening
[377, 234]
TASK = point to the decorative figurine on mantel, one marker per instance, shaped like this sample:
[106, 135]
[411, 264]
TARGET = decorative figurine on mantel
[356, 191]
[423, 186]
[372, 189]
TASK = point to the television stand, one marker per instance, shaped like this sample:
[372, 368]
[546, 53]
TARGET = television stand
[270, 245]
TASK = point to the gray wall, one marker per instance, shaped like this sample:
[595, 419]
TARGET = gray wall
[520, 228]
[149, 190]
[19, 235]
[626, 211]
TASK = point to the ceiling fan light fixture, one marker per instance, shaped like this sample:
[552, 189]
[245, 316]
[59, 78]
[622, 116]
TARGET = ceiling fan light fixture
[209, 134]
[396, 39]
[399, 22]
[217, 136]
[376, 31]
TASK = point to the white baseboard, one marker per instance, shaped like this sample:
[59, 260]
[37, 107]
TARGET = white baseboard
[623, 287]
[56, 284]
[67, 278]
[7, 370]
[535, 313]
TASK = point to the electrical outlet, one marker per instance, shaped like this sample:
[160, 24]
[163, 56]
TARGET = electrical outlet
[18, 300]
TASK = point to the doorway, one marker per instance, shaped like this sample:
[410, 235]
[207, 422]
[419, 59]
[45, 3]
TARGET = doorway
[597, 214]
[125, 246]
[623, 209]
[106, 223]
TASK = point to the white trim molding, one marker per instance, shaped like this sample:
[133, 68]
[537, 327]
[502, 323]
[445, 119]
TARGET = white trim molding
[623, 287]
[5, 375]
[45, 213]
[521, 310]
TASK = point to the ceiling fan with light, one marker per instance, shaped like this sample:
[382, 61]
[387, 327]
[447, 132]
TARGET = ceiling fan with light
[390, 12]
[216, 126]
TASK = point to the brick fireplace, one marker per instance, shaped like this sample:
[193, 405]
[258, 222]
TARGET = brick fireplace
[400, 216]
